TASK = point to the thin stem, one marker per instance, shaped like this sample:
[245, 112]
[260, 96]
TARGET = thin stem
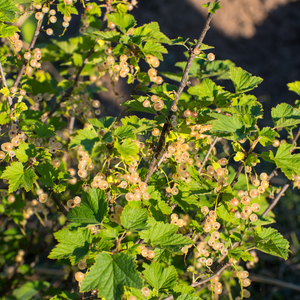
[272, 281]
[3, 79]
[59, 204]
[241, 166]
[207, 154]
[161, 141]
[195, 284]
[31, 46]
[211, 277]
[275, 201]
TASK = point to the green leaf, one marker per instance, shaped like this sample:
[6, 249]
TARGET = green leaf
[128, 150]
[214, 7]
[267, 136]
[134, 219]
[154, 49]
[268, 240]
[5, 91]
[77, 59]
[159, 276]
[104, 122]
[44, 130]
[137, 105]
[19, 108]
[238, 253]
[28, 290]
[139, 125]
[123, 21]
[263, 221]
[187, 297]
[73, 245]
[288, 163]
[227, 124]
[65, 295]
[110, 274]
[208, 90]
[165, 236]
[8, 11]
[124, 132]
[4, 118]
[25, 151]
[93, 207]
[17, 177]
[87, 138]
[67, 10]
[284, 115]
[294, 86]
[242, 80]
[48, 173]
[111, 36]
[7, 30]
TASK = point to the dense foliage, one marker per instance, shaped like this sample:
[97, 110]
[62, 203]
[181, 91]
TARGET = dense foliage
[166, 203]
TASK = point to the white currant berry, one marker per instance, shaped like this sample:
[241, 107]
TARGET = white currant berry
[53, 19]
[146, 292]
[276, 143]
[210, 56]
[82, 265]
[56, 163]
[39, 15]
[79, 276]
[197, 51]
[43, 198]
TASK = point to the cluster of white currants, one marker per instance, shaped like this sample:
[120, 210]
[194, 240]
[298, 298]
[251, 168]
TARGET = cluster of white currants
[16, 137]
[147, 253]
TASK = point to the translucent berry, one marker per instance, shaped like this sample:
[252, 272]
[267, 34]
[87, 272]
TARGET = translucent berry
[210, 56]
[43, 198]
[49, 31]
[56, 163]
[197, 51]
[146, 292]
[79, 276]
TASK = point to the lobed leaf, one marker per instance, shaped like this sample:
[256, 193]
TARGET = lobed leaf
[110, 274]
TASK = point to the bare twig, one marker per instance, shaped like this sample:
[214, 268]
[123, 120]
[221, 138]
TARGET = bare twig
[31, 46]
[161, 141]
[59, 204]
[275, 201]
[207, 154]
[212, 277]
[3, 79]
[238, 172]
[284, 284]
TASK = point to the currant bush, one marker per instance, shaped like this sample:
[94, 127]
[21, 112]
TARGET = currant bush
[171, 205]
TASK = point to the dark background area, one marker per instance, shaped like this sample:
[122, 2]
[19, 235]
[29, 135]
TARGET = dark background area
[261, 36]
